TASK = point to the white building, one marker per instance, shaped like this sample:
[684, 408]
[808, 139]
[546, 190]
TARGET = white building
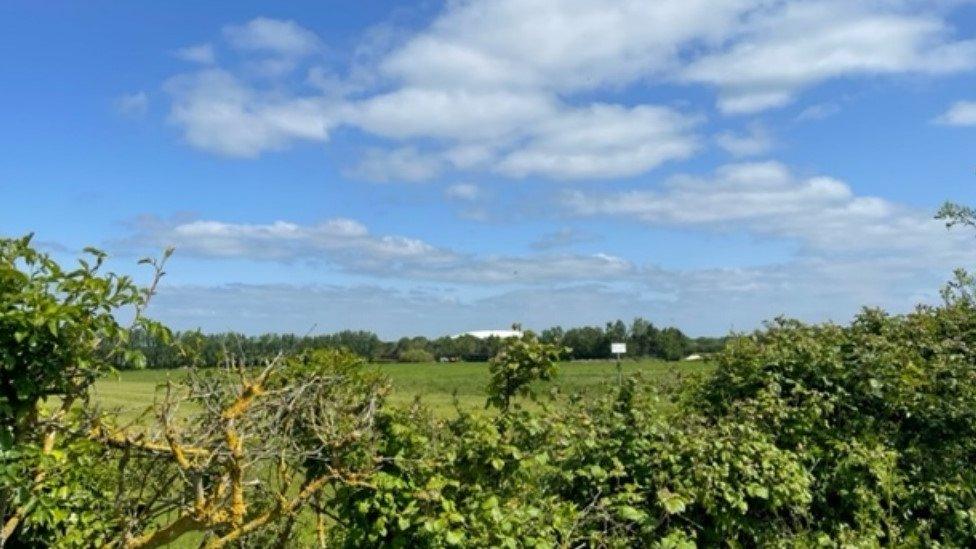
[485, 334]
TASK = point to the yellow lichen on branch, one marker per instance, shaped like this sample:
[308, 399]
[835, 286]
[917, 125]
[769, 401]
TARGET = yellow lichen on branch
[178, 452]
[236, 470]
[243, 402]
[283, 508]
[119, 439]
[186, 523]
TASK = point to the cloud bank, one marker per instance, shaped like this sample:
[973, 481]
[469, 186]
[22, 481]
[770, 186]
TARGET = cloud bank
[506, 86]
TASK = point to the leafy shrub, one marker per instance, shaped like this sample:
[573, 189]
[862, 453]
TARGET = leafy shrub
[517, 365]
[414, 355]
[883, 412]
[58, 334]
[803, 435]
[57, 330]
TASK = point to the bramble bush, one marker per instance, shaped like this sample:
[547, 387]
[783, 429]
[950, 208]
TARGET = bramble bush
[803, 435]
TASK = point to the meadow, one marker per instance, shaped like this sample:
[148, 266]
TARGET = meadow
[435, 384]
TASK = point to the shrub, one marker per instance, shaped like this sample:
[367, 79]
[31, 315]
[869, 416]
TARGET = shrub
[414, 355]
[517, 365]
[58, 334]
[804, 435]
[883, 412]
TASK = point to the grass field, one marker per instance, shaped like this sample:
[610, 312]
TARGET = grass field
[435, 383]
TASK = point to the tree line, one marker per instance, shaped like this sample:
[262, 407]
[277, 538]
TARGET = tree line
[643, 338]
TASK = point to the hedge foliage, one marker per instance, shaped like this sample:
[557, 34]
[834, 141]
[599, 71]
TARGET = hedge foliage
[803, 435]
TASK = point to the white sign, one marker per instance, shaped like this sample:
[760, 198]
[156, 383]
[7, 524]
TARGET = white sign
[618, 348]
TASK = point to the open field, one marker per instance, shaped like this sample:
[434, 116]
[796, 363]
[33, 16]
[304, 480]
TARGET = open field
[435, 383]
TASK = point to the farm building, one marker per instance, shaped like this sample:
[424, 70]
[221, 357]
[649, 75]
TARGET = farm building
[485, 334]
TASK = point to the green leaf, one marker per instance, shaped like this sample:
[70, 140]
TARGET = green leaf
[757, 491]
[632, 514]
[453, 537]
[672, 503]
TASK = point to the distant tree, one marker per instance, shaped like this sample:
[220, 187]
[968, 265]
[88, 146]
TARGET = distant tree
[463, 347]
[643, 338]
[364, 344]
[674, 344]
[552, 335]
[708, 344]
[616, 331]
[587, 342]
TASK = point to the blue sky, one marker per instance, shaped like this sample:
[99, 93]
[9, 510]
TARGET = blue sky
[447, 166]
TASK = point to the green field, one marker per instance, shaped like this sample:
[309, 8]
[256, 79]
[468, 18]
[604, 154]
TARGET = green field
[435, 383]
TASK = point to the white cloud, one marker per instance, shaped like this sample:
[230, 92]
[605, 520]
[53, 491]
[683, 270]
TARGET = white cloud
[521, 130]
[133, 105]
[532, 269]
[961, 113]
[397, 165]
[603, 141]
[469, 155]
[794, 45]
[515, 87]
[340, 239]
[456, 114]
[348, 245]
[466, 192]
[392, 313]
[201, 53]
[886, 257]
[221, 114]
[759, 52]
[755, 141]
[488, 75]
[809, 289]
[556, 45]
[766, 199]
[262, 34]
[531, 134]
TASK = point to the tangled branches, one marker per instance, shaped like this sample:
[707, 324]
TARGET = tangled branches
[252, 457]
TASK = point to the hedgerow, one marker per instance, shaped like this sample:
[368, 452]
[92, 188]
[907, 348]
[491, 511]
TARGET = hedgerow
[802, 435]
